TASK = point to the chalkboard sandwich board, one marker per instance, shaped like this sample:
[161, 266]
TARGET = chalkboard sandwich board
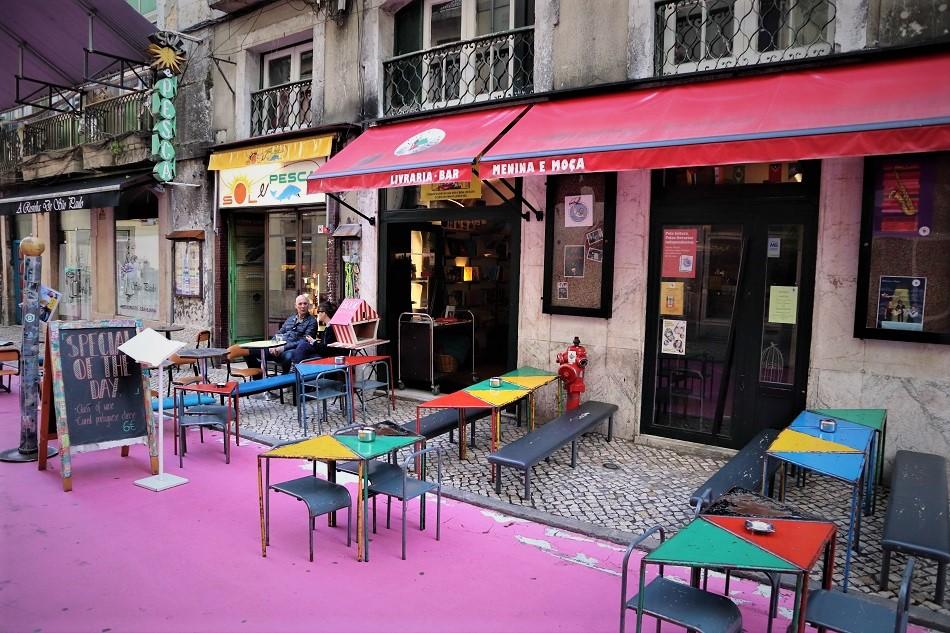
[100, 395]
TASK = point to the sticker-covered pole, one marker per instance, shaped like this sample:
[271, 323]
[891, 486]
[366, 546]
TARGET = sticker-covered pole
[31, 251]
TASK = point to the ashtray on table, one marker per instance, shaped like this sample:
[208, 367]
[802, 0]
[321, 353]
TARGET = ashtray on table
[759, 527]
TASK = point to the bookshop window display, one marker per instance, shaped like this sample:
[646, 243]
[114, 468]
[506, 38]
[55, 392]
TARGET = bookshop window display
[904, 270]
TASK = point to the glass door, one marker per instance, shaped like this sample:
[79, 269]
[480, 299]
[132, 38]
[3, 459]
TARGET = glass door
[729, 321]
[246, 279]
[75, 273]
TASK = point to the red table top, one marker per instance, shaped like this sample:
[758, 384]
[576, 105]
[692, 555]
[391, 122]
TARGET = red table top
[349, 361]
[210, 387]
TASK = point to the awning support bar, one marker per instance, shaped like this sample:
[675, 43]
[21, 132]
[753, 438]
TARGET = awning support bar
[538, 215]
[342, 202]
[517, 198]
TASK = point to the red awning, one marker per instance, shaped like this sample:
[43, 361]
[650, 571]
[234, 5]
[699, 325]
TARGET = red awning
[892, 107]
[426, 151]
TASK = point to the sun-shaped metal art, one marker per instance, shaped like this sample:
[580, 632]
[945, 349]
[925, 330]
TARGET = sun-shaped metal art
[166, 58]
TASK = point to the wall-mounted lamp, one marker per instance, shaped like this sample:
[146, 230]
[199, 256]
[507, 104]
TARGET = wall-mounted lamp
[468, 273]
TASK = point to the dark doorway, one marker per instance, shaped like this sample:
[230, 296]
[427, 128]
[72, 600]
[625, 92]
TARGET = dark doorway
[446, 263]
[729, 305]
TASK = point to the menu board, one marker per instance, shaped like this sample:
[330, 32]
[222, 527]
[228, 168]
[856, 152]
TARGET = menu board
[99, 392]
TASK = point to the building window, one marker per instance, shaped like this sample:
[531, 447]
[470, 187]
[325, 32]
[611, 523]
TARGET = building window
[136, 265]
[148, 8]
[460, 51]
[695, 35]
[904, 272]
[284, 101]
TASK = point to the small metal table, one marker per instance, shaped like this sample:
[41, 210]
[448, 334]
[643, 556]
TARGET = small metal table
[263, 346]
[329, 449]
[843, 455]
[168, 328]
[202, 354]
[722, 542]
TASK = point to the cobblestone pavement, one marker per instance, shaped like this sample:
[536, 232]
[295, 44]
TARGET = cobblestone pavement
[619, 485]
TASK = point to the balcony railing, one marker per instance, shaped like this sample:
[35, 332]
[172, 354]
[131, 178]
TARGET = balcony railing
[482, 69]
[100, 121]
[696, 35]
[282, 108]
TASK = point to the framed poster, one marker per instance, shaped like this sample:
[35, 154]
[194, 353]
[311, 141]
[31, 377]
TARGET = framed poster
[903, 285]
[579, 244]
[188, 276]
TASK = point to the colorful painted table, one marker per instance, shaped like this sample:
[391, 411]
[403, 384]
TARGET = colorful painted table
[842, 455]
[722, 542]
[515, 385]
[875, 419]
[329, 449]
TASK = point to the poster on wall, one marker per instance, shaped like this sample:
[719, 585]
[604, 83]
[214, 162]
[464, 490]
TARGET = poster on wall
[579, 211]
[673, 337]
[188, 269]
[136, 257]
[679, 253]
[671, 298]
[903, 204]
[901, 303]
[574, 261]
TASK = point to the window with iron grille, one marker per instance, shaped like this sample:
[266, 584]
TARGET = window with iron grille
[695, 35]
[285, 100]
[450, 52]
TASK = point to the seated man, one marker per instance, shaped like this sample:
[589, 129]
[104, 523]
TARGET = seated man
[294, 331]
[319, 346]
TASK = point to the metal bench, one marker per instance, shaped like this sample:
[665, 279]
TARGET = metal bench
[743, 470]
[445, 421]
[916, 521]
[527, 451]
[254, 387]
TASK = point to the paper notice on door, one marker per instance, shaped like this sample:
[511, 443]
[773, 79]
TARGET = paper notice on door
[671, 298]
[673, 337]
[783, 304]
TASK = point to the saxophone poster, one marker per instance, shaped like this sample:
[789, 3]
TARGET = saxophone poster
[903, 198]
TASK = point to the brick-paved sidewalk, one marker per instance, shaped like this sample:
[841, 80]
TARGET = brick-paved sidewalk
[618, 485]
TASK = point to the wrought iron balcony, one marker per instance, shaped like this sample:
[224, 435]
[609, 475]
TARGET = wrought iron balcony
[482, 69]
[695, 35]
[282, 108]
[98, 122]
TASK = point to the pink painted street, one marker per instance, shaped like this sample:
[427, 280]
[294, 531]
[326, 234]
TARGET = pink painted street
[110, 556]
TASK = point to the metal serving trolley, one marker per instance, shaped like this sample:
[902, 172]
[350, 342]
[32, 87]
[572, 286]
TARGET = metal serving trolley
[419, 335]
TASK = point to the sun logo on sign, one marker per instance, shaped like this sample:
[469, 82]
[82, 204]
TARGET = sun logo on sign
[240, 189]
[420, 142]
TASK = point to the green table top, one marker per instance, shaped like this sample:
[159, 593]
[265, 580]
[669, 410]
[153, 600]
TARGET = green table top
[871, 418]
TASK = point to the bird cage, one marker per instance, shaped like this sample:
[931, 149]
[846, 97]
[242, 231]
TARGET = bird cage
[772, 364]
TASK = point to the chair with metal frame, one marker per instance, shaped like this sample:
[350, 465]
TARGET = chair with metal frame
[854, 613]
[8, 355]
[375, 376]
[185, 418]
[319, 383]
[405, 488]
[320, 496]
[236, 353]
[675, 602]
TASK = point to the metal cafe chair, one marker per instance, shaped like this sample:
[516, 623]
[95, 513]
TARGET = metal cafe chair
[853, 613]
[320, 496]
[674, 602]
[405, 487]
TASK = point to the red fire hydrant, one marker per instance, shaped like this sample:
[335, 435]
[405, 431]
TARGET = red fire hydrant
[571, 372]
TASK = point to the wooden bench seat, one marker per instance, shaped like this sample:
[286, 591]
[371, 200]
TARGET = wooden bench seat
[7, 357]
[916, 521]
[527, 451]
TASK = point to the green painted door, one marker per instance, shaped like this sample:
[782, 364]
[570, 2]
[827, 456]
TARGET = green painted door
[246, 279]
